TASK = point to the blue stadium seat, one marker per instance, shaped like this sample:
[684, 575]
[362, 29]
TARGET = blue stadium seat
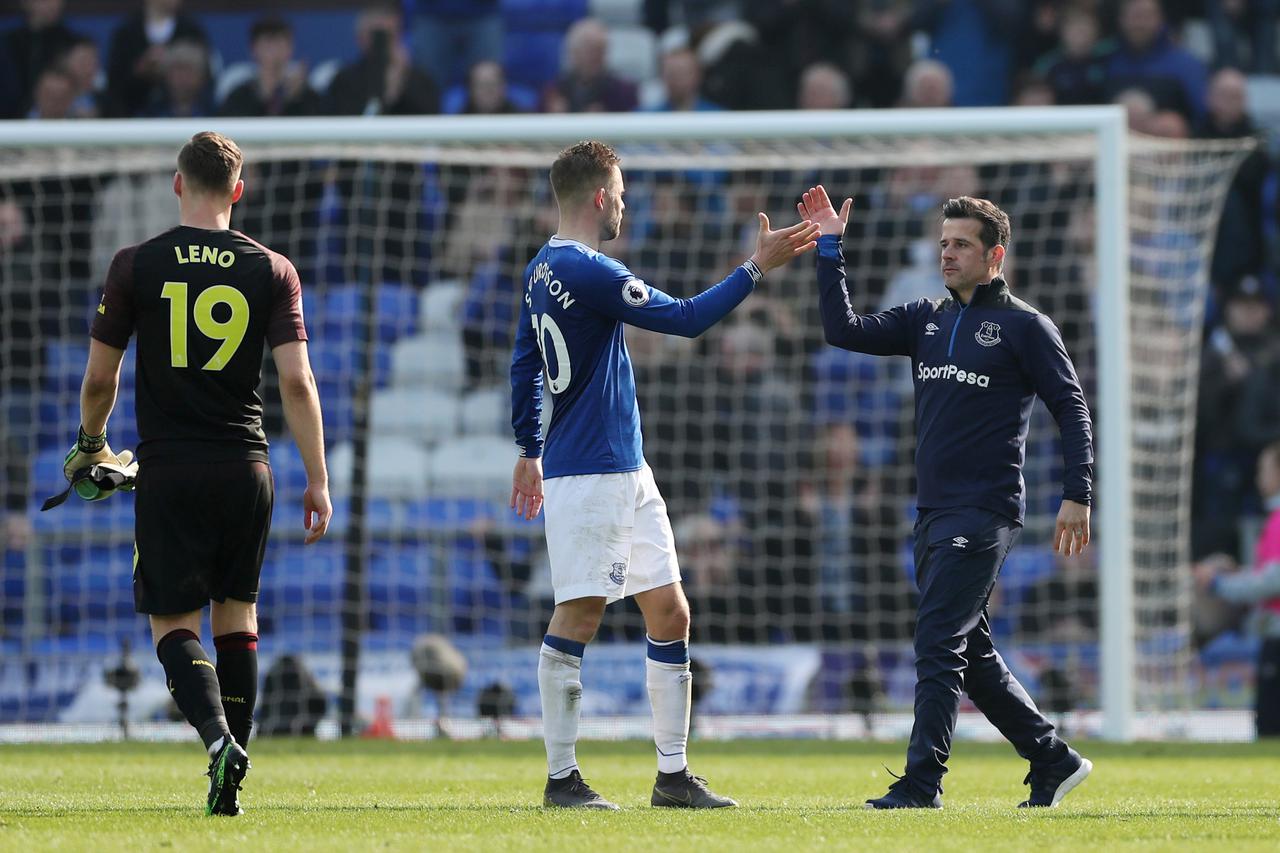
[400, 582]
[342, 314]
[447, 514]
[287, 470]
[89, 587]
[526, 15]
[532, 58]
[479, 603]
[300, 585]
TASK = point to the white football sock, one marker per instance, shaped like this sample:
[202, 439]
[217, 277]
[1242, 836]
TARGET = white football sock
[670, 695]
[561, 692]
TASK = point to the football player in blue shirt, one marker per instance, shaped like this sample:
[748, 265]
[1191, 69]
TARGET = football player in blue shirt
[608, 535]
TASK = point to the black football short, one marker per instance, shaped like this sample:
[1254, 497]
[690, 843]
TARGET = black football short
[200, 532]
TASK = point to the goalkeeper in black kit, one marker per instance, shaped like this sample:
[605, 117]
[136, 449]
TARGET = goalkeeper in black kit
[202, 300]
[980, 356]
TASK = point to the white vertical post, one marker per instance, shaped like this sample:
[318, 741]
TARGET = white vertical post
[1114, 463]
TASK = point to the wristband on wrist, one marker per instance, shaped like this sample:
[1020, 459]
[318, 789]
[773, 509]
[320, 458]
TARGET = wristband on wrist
[90, 443]
[752, 270]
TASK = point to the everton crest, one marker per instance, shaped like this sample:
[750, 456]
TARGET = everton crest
[988, 334]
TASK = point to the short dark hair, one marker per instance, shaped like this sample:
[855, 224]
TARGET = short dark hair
[582, 167]
[271, 26]
[995, 229]
[212, 162]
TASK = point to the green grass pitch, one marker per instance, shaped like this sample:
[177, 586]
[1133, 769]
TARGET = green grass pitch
[796, 796]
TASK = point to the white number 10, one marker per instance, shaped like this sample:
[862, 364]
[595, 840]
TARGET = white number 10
[544, 325]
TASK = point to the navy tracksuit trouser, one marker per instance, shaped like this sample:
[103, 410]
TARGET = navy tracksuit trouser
[958, 555]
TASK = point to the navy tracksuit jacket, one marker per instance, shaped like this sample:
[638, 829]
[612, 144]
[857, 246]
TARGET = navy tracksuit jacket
[977, 370]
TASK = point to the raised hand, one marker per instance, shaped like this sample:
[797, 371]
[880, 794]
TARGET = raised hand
[777, 248]
[816, 206]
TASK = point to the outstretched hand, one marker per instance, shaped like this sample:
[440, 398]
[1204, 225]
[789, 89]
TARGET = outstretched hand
[776, 248]
[816, 206]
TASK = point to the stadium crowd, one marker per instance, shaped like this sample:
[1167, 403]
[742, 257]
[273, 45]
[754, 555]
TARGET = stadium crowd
[1181, 68]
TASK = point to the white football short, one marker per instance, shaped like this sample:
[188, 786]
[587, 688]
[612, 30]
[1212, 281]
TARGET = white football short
[608, 535]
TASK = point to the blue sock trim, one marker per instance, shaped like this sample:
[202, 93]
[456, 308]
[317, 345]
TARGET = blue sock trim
[560, 644]
[674, 651]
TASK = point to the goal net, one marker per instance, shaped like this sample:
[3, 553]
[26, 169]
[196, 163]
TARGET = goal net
[787, 465]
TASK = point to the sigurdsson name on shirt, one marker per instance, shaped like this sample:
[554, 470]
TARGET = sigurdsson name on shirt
[543, 275]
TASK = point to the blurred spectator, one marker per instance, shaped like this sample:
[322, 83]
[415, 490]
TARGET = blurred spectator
[882, 50]
[135, 65]
[1139, 108]
[1250, 21]
[54, 94]
[1146, 57]
[20, 355]
[737, 69]
[1212, 616]
[682, 82]
[585, 84]
[711, 562]
[974, 39]
[1260, 587]
[1077, 69]
[1033, 92]
[449, 37]
[492, 267]
[11, 97]
[279, 85]
[1258, 418]
[188, 91]
[759, 427]
[823, 86]
[388, 203]
[83, 65]
[283, 195]
[487, 92]
[383, 81]
[1062, 607]
[799, 33]
[1239, 249]
[1233, 353]
[39, 42]
[1169, 124]
[928, 84]
[863, 591]
[1038, 32]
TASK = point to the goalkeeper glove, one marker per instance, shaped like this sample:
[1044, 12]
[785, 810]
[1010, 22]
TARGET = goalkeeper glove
[95, 471]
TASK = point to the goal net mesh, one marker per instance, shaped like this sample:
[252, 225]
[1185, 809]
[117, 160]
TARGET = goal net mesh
[787, 465]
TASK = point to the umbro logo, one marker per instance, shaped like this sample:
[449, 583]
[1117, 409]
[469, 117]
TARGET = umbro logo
[930, 329]
[959, 542]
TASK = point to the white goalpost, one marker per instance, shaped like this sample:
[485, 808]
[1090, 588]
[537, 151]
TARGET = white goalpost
[413, 229]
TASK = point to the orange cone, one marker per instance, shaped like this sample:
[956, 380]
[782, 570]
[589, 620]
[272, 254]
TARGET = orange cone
[381, 726]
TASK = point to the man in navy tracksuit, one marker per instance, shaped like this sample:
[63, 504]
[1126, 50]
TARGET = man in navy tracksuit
[980, 357]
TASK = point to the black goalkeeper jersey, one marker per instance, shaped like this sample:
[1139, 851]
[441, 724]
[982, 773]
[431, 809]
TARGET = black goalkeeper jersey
[202, 303]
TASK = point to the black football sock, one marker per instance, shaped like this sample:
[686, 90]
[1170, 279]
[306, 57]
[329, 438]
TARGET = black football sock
[238, 678]
[193, 681]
